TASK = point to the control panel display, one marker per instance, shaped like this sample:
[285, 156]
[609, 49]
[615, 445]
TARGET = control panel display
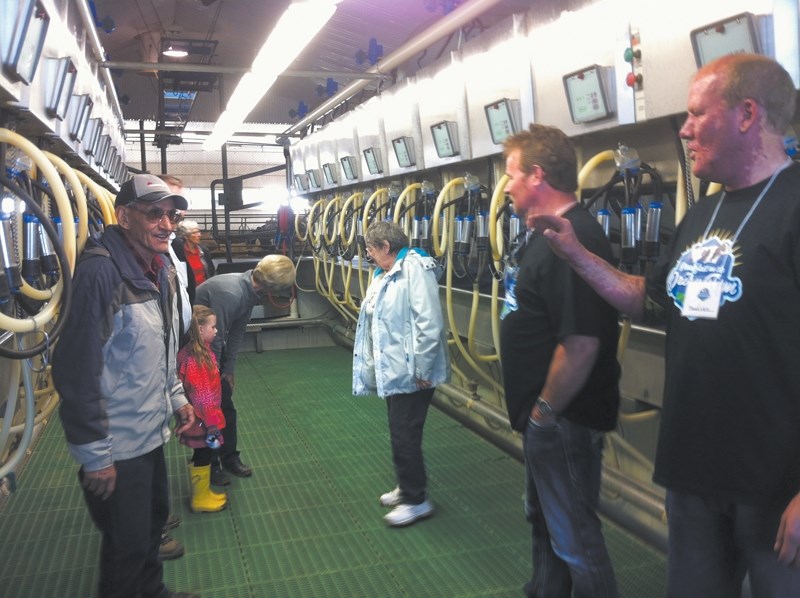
[736, 35]
[445, 138]
[372, 155]
[404, 150]
[301, 182]
[586, 95]
[313, 179]
[349, 168]
[329, 170]
[503, 119]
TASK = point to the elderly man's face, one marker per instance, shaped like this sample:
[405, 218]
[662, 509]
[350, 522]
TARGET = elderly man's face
[148, 234]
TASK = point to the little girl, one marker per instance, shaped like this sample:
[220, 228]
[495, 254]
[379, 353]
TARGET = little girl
[197, 368]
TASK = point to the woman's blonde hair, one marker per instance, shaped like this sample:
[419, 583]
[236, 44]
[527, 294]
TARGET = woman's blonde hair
[274, 272]
[200, 350]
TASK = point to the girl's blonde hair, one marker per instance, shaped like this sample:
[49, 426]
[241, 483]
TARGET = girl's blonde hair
[200, 350]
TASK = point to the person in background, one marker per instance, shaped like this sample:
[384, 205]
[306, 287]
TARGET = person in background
[114, 368]
[558, 351]
[232, 297]
[198, 263]
[400, 353]
[170, 547]
[728, 283]
[199, 372]
[184, 300]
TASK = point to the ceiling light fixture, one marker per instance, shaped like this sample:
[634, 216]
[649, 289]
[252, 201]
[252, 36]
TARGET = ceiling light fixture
[175, 52]
[294, 30]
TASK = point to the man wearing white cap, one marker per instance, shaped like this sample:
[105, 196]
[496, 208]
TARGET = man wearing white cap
[114, 367]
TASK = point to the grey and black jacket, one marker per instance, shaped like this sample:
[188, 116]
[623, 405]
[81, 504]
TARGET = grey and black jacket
[114, 363]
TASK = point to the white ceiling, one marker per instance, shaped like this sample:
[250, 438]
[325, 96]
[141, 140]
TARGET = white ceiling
[240, 27]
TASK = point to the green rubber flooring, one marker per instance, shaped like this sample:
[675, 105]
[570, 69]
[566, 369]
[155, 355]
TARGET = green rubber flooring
[308, 522]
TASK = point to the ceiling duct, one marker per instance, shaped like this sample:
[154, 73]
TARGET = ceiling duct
[178, 89]
[149, 44]
[198, 51]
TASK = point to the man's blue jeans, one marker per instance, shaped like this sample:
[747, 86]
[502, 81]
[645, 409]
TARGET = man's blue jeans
[562, 474]
[713, 544]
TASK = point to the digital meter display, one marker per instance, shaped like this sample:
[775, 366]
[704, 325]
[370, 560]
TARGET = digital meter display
[83, 111]
[735, 35]
[62, 82]
[586, 95]
[404, 150]
[313, 178]
[372, 156]
[29, 35]
[348, 167]
[301, 182]
[445, 139]
[95, 129]
[502, 119]
[108, 159]
[329, 170]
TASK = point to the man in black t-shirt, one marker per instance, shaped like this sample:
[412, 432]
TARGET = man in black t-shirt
[558, 350]
[729, 443]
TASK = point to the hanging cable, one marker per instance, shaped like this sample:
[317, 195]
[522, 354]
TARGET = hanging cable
[65, 280]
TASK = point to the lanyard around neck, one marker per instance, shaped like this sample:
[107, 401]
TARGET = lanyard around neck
[752, 208]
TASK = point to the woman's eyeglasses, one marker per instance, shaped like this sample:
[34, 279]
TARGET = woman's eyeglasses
[153, 215]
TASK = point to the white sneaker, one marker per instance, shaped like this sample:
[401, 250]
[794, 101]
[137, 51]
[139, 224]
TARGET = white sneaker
[403, 515]
[391, 498]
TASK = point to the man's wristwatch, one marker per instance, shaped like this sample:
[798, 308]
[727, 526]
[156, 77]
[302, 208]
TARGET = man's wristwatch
[545, 407]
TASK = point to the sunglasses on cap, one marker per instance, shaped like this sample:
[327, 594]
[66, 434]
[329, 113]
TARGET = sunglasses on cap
[154, 214]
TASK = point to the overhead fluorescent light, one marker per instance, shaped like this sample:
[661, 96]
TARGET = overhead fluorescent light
[175, 51]
[295, 29]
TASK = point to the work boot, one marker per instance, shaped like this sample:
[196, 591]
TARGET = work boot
[204, 499]
[170, 548]
[173, 521]
[237, 468]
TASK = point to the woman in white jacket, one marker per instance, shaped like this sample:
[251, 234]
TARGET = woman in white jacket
[401, 354]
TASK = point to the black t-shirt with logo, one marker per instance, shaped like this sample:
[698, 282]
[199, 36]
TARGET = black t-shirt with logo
[730, 425]
[552, 303]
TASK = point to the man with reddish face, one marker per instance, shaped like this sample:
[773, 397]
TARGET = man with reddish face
[114, 367]
[727, 285]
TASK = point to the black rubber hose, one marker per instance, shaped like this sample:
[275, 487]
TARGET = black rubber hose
[66, 275]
